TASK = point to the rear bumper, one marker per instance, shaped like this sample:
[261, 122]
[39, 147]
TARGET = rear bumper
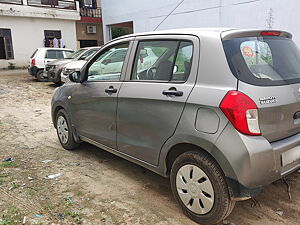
[287, 154]
[252, 162]
[32, 70]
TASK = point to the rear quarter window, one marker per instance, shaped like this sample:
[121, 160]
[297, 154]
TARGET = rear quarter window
[263, 61]
[54, 54]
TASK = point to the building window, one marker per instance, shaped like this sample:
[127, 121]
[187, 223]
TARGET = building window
[88, 4]
[6, 47]
[49, 2]
[50, 35]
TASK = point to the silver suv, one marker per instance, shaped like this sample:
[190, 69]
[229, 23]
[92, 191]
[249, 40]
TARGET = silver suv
[217, 111]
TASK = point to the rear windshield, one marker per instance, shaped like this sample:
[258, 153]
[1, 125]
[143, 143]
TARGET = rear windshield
[263, 61]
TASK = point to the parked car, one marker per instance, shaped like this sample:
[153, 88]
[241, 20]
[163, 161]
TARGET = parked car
[109, 62]
[217, 112]
[42, 56]
[53, 69]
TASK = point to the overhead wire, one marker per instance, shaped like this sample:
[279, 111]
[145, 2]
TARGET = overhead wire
[169, 14]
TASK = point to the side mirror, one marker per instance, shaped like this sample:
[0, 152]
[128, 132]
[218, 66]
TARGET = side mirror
[75, 77]
[83, 57]
[175, 70]
[143, 52]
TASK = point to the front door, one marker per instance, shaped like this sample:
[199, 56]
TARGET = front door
[94, 101]
[153, 97]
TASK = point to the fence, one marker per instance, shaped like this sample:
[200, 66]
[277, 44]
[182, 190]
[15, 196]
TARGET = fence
[58, 4]
[86, 12]
[16, 2]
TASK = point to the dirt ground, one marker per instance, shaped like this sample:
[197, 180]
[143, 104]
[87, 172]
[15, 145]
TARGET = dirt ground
[94, 186]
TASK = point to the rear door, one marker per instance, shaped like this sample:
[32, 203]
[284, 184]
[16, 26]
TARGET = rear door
[268, 68]
[153, 96]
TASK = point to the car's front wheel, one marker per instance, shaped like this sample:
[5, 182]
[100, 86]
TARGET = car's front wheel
[64, 131]
[199, 187]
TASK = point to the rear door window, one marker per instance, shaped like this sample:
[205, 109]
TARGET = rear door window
[263, 61]
[163, 60]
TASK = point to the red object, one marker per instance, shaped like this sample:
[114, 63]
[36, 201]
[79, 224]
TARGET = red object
[90, 19]
[32, 62]
[235, 105]
[247, 51]
[270, 33]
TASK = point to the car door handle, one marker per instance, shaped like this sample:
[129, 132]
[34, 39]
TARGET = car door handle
[172, 91]
[110, 90]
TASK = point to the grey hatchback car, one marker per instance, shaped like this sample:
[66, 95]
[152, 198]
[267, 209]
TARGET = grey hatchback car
[217, 111]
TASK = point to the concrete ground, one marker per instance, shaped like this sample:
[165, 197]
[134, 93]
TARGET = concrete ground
[94, 186]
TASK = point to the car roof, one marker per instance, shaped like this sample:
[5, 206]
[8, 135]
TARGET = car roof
[62, 49]
[202, 32]
[94, 47]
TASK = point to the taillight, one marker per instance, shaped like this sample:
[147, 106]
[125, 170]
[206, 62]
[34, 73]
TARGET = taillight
[270, 33]
[32, 62]
[241, 111]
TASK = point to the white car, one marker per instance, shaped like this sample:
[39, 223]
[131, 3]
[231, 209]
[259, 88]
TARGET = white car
[42, 56]
[110, 63]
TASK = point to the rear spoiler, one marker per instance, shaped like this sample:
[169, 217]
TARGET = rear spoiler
[230, 34]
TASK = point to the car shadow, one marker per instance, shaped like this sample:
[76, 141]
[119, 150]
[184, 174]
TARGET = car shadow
[150, 180]
[264, 206]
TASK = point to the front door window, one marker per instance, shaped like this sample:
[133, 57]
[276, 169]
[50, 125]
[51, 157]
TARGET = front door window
[109, 64]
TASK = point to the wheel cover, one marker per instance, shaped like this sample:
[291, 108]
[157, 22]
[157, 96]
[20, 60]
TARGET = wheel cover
[62, 129]
[195, 189]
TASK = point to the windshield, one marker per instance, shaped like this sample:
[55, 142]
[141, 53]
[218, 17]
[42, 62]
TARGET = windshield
[76, 54]
[263, 61]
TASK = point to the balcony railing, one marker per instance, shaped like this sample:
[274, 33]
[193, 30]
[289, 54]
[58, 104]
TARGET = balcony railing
[16, 2]
[58, 4]
[87, 12]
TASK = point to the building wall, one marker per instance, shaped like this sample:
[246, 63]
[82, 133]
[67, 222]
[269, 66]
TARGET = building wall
[147, 14]
[81, 29]
[28, 34]
[83, 35]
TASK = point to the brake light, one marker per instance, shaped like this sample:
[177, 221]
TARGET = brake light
[270, 33]
[241, 111]
[32, 62]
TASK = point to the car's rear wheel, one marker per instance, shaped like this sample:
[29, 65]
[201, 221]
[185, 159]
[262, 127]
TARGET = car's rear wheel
[40, 77]
[199, 187]
[64, 131]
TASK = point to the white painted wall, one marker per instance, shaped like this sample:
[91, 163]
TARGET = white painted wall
[28, 34]
[147, 14]
[40, 12]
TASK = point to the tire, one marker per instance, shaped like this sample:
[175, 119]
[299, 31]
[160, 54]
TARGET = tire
[64, 131]
[197, 176]
[39, 76]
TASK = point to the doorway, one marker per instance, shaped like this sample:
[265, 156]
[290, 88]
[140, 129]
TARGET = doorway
[6, 45]
[2, 48]
[121, 29]
[88, 43]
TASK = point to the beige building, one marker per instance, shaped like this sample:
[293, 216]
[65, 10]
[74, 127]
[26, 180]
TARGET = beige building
[89, 30]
